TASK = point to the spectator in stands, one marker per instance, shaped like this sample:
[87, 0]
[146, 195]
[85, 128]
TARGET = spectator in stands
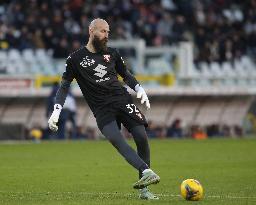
[155, 131]
[160, 132]
[225, 131]
[231, 24]
[91, 133]
[69, 108]
[50, 100]
[175, 129]
[238, 131]
[198, 133]
[179, 28]
[81, 134]
[61, 49]
[60, 134]
[151, 130]
[213, 130]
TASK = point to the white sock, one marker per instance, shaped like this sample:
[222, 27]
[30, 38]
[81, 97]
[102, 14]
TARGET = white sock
[145, 189]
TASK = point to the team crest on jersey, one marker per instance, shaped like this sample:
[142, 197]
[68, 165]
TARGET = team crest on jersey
[87, 62]
[106, 58]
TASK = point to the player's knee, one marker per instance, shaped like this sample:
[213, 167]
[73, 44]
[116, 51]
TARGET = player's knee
[115, 141]
[142, 139]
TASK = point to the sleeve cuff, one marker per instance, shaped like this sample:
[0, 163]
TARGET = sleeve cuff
[57, 107]
[137, 87]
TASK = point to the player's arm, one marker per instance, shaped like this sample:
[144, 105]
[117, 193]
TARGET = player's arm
[61, 95]
[130, 80]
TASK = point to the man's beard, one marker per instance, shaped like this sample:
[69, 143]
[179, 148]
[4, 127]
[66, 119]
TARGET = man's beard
[99, 45]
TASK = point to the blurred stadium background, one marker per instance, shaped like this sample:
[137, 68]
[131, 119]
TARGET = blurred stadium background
[196, 59]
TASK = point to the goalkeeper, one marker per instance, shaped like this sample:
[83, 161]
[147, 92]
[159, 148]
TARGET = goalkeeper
[95, 68]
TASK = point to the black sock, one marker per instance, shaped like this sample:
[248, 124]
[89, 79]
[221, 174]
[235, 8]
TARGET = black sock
[142, 168]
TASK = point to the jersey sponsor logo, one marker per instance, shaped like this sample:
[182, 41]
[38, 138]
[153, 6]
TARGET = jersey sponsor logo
[87, 62]
[101, 72]
[100, 69]
[106, 58]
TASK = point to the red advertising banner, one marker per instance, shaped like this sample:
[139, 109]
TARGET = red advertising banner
[16, 83]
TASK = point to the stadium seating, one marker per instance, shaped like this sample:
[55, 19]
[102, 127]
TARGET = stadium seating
[235, 111]
[16, 113]
[161, 111]
[38, 114]
[27, 62]
[40, 62]
[193, 110]
[185, 110]
[210, 111]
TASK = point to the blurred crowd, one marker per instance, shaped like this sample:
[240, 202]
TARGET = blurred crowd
[194, 131]
[154, 131]
[221, 30]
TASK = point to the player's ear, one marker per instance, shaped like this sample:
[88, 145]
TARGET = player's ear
[90, 31]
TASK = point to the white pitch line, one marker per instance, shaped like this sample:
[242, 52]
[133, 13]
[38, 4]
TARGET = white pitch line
[233, 197]
[132, 194]
[209, 196]
[168, 195]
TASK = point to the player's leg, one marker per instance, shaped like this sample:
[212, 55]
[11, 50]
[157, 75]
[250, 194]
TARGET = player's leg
[130, 120]
[112, 133]
[141, 140]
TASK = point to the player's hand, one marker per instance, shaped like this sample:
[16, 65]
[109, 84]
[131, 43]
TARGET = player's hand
[141, 94]
[53, 120]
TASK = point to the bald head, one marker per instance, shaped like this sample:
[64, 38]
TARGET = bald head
[98, 34]
[96, 23]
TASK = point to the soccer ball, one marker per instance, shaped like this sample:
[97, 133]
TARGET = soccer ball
[191, 190]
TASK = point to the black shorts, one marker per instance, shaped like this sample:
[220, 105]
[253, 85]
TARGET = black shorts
[125, 113]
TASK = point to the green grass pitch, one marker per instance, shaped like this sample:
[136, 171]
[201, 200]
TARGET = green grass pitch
[91, 172]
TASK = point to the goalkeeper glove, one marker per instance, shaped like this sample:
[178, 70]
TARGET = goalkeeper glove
[142, 94]
[53, 120]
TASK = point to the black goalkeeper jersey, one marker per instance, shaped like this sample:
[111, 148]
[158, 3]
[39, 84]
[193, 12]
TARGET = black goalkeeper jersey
[97, 76]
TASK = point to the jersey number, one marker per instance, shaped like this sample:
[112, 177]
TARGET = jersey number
[132, 108]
